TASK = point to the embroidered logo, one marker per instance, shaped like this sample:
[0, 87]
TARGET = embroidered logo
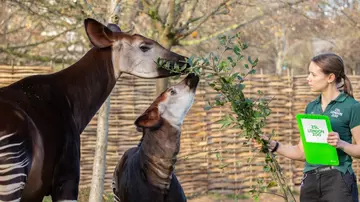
[336, 113]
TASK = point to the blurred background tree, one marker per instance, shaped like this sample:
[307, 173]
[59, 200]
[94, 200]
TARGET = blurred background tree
[285, 34]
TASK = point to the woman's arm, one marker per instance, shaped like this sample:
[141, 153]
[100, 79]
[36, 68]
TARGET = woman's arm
[294, 152]
[351, 149]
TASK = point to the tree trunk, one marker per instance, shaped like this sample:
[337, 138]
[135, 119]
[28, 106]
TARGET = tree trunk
[161, 84]
[97, 182]
[99, 165]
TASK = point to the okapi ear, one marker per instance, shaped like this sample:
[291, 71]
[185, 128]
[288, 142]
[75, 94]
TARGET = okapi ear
[99, 35]
[149, 119]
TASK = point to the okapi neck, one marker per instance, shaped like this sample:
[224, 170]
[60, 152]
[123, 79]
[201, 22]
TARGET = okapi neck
[87, 84]
[158, 153]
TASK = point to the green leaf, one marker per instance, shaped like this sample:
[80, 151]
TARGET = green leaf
[255, 62]
[227, 48]
[206, 62]
[222, 65]
[240, 86]
[222, 40]
[194, 19]
[240, 57]
[225, 121]
[245, 46]
[249, 59]
[190, 60]
[197, 71]
[252, 71]
[266, 168]
[207, 107]
[218, 156]
[271, 184]
[237, 50]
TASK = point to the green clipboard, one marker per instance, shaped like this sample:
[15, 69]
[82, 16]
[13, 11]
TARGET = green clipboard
[313, 131]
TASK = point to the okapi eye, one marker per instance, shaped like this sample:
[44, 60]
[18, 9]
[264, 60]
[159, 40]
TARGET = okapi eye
[144, 48]
[173, 92]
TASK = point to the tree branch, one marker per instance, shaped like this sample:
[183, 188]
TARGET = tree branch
[29, 10]
[92, 12]
[229, 28]
[157, 5]
[35, 57]
[354, 22]
[191, 15]
[46, 40]
[235, 26]
[202, 21]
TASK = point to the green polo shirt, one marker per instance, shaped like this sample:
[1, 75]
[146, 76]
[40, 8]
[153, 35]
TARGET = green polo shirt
[344, 114]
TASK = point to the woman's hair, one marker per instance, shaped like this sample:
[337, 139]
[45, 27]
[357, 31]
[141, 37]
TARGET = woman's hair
[332, 63]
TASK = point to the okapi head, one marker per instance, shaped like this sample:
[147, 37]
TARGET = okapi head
[172, 105]
[132, 54]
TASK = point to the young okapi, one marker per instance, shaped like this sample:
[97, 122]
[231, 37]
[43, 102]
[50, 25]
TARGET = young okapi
[43, 116]
[145, 173]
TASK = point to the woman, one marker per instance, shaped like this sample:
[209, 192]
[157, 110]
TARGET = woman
[329, 183]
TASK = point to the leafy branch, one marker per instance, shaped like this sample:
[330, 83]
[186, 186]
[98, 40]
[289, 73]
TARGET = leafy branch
[248, 114]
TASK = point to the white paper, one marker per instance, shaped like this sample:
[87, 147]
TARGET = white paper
[315, 130]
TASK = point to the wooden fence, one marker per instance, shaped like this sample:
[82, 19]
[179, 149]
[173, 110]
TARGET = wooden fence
[210, 159]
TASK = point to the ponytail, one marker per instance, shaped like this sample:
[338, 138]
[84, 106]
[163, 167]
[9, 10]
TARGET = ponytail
[347, 86]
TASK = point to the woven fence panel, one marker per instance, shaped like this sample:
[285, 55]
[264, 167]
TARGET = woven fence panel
[10, 74]
[210, 159]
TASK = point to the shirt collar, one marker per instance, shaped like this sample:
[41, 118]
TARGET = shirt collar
[340, 98]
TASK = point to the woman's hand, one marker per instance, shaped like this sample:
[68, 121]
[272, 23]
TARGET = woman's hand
[334, 140]
[271, 144]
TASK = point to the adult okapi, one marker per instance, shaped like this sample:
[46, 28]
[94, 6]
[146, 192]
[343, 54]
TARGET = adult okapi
[43, 116]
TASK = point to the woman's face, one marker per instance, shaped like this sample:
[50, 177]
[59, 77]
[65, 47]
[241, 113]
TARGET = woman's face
[317, 80]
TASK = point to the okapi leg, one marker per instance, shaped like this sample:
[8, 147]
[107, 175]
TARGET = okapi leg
[67, 172]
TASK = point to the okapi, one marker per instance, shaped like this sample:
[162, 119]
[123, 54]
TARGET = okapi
[145, 173]
[43, 116]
